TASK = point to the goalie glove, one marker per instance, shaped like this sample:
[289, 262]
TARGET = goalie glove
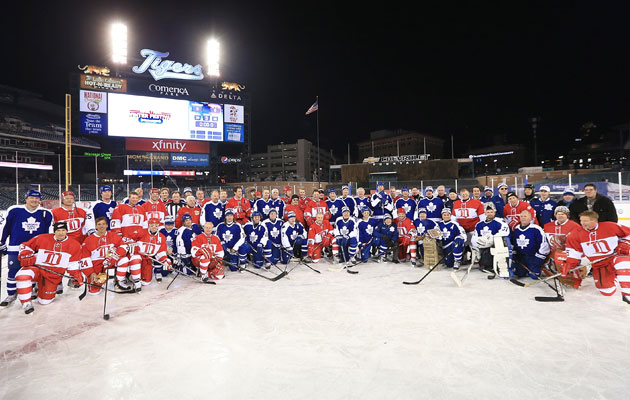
[485, 241]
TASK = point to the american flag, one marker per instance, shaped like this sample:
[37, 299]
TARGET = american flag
[313, 108]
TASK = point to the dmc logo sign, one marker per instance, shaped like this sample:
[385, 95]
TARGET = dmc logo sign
[168, 90]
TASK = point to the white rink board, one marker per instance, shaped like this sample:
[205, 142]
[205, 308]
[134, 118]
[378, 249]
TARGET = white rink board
[328, 336]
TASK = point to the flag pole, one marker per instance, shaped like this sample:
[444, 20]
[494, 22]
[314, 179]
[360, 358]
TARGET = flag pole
[318, 169]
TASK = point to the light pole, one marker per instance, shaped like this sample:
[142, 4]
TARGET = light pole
[534, 121]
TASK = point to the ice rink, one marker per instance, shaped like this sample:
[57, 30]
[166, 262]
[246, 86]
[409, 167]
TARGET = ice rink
[321, 336]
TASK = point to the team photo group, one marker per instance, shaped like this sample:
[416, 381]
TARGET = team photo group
[136, 241]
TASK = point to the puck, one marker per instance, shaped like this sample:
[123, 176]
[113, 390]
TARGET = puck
[106, 317]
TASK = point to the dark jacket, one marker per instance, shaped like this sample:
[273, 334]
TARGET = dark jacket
[602, 206]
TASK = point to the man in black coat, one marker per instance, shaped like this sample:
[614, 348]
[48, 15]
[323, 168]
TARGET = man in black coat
[601, 204]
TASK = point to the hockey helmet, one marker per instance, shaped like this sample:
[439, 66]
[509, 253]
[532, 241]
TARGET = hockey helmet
[529, 186]
[229, 211]
[185, 217]
[561, 209]
[257, 214]
[60, 225]
[291, 214]
[156, 221]
[489, 206]
[363, 208]
[332, 190]
[169, 220]
[401, 211]
[105, 188]
[68, 193]
[386, 217]
[428, 189]
[344, 209]
[404, 189]
[446, 210]
[33, 193]
[422, 210]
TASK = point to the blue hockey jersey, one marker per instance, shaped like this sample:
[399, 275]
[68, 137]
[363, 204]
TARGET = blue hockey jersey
[290, 233]
[346, 228]
[381, 204]
[21, 225]
[365, 201]
[184, 239]
[383, 230]
[171, 238]
[231, 236]
[102, 209]
[263, 207]
[499, 204]
[530, 241]
[494, 227]
[278, 204]
[408, 205]
[434, 207]
[422, 226]
[255, 234]
[335, 208]
[544, 210]
[212, 212]
[451, 231]
[366, 229]
[274, 230]
[351, 204]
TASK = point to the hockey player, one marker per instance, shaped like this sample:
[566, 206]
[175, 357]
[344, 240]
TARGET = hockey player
[393, 193]
[56, 252]
[530, 246]
[154, 208]
[105, 206]
[315, 206]
[129, 220]
[557, 232]
[223, 197]
[513, 209]
[201, 198]
[303, 200]
[334, 204]
[406, 237]
[349, 202]
[164, 195]
[406, 203]
[212, 211]
[22, 223]
[345, 232]
[240, 206]
[256, 237]
[598, 241]
[365, 231]
[140, 193]
[101, 250]
[487, 195]
[191, 209]
[288, 194]
[422, 224]
[274, 229]
[277, 203]
[232, 239]
[152, 248]
[544, 206]
[453, 239]
[293, 238]
[386, 239]
[185, 236]
[79, 221]
[320, 236]
[362, 199]
[476, 193]
[484, 235]
[528, 191]
[433, 205]
[381, 202]
[500, 200]
[297, 210]
[170, 233]
[175, 204]
[207, 254]
[467, 212]
[264, 204]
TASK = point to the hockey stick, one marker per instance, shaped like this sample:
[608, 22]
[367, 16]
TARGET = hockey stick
[300, 261]
[571, 270]
[458, 281]
[275, 278]
[558, 297]
[346, 267]
[430, 270]
[71, 277]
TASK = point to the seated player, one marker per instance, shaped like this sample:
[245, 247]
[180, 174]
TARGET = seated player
[453, 240]
[152, 248]
[514, 208]
[232, 238]
[365, 228]
[483, 238]
[320, 236]
[185, 236]
[294, 241]
[345, 232]
[530, 246]
[386, 239]
[256, 240]
[557, 232]
[170, 233]
[296, 208]
[274, 243]
[101, 250]
[422, 224]
[406, 237]
[207, 254]
[44, 259]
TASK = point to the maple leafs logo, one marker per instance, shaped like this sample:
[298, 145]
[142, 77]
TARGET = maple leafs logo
[294, 235]
[30, 225]
[485, 231]
[369, 229]
[431, 207]
[266, 209]
[333, 209]
[274, 232]
[522, 241]
[344, 230]
[407, 208]
[227, 236]
[548, 207]
[217, 213]
[253, 237]
[446, 232]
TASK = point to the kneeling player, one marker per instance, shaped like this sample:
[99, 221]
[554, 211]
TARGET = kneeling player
[530, 247]
[152, 248]
[345, 236]
[365, 228]
[44, 259]
[453, 240]
[293, 239]
[557, 232]
[406, 237]
[255, 241]
[232, 239]
[207, 254]
[274, 243]
[320, 236]
[485, 235]
[386, 239]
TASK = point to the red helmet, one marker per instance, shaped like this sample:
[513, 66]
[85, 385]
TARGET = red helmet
[401, 211]
[68, 193]
[154, 221]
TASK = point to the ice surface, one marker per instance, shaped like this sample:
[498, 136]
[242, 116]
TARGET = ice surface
[328, 336]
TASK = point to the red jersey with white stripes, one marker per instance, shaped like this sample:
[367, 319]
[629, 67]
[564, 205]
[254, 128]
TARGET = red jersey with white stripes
[315, 207]
[194, 212]
[211, 242]
[405, 228]
[155, 210]
[152, 245]
[96, 248]
[317, 232]
[241, 208]
[56, 255]
[79, 221]
[129, 221]
[600, 242]
[512, 215]
[467, 213]
[557, 232]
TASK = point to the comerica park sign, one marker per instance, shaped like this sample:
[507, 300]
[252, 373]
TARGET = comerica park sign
[159, 68]
[403, 158]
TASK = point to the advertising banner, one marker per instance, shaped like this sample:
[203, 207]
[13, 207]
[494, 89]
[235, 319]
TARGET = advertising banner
[234, 114]
[166, 145]
[190, 160]
[94, 124]
[92, 102]
[206, 121]
[234, 133]
[173, 90]
[107, 83]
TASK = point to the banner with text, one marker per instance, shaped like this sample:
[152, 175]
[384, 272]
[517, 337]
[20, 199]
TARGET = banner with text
[167, 145]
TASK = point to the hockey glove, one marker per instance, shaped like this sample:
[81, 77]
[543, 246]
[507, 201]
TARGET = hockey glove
[167, 264]
[623, 248]
[513, 224]
[327, 240]
[404, 241]
[3, 248]
[27, 258]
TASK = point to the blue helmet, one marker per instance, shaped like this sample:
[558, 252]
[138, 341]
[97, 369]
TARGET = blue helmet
[256, 213]
[105, 188]
[186, 217]
[33, 193]
[229, 211]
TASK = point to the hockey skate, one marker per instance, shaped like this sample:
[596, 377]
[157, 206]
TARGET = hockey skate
[137, 285]
[60, 288]
[28, 307]
[158, 278]
[456, 265]
[205, 277]
[626, 299]
[8, 300]
[123, 284]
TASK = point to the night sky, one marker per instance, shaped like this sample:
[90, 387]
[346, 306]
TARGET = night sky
[473, 71]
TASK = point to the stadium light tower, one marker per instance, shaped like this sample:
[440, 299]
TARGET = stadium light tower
[119, 43]
[212, 49]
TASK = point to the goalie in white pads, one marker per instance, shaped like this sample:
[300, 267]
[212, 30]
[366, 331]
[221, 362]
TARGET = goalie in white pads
[490, 236]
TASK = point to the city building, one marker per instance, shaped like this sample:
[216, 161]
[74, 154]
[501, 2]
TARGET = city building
[397, 142]
[291, 161]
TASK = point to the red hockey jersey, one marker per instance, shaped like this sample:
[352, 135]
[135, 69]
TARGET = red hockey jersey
[597, 243]
[79, 221]
[557, 233]
[194, 212]
[129, 221]
[155, 210]
[241, 208]
[95, 249]
[406, 228]
[315, 207]
[207, 241]
[467, 213]
[56, 255]
[151, 245]
[512, 215]
[316, 232]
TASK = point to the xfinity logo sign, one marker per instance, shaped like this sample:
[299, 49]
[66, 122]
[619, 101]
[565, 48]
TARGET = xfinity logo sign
[161, 145]
[168, 90]
[166, 69]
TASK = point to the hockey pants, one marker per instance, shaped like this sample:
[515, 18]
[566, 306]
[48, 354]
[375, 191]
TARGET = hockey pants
[348, 247]
[453, 252]
[532, 262]
[299, 244]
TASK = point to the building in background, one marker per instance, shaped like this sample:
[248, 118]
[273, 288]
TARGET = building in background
[291, 161]
[397, 142]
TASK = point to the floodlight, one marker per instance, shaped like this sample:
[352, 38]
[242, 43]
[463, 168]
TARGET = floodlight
[119, 43]
[213, 57]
